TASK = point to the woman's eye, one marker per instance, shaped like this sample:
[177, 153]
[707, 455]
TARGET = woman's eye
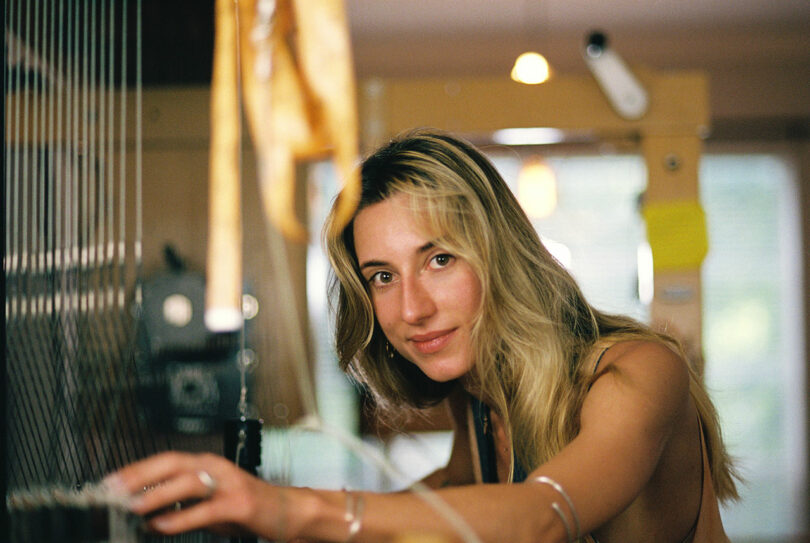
[381, 278]
[440, 261]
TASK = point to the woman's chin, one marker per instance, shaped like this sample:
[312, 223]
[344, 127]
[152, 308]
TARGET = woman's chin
[444, 374]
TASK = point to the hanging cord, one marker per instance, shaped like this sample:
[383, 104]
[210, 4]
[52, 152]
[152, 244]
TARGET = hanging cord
[242, 362]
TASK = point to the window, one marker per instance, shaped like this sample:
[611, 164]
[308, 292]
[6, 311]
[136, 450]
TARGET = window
[751, 305]
[753, 335]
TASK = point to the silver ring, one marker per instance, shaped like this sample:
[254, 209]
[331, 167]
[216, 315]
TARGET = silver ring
[209, 482]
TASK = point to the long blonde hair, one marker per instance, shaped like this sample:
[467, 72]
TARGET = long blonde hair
[535, 335]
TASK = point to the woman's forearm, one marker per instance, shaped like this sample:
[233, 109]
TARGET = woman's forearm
[513, 513]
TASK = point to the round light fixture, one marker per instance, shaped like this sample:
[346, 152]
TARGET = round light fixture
[531, 68]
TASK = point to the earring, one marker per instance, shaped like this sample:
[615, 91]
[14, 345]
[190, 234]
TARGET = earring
[389, 349]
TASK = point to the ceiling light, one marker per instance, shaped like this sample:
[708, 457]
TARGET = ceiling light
[529, 136]
[530, 68]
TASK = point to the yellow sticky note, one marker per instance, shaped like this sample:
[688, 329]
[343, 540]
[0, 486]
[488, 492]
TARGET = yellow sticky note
[676, 232]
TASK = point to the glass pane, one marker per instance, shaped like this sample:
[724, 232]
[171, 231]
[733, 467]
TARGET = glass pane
[752, 331]
[596, 229]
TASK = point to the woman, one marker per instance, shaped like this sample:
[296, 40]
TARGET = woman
[445, 293]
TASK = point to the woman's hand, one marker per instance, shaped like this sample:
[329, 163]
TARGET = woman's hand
[179, 492]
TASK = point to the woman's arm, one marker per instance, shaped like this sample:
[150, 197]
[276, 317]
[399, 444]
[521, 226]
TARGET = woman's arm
[634, 407]
[626, 421]
[244, 504]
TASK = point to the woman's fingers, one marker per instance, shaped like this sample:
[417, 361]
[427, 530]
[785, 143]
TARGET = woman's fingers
[180, 488]
[226, 510]
[147, 473]
[170, 477]
[201, 515]
[178, 492]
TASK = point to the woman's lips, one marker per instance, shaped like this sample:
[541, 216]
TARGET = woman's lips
[432, 342]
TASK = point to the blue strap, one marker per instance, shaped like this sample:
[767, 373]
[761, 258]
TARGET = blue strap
[486, 446]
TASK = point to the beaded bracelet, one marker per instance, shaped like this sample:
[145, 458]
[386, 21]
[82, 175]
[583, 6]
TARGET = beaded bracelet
[572, 534]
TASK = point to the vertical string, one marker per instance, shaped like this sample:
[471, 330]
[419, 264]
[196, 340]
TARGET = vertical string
[12, 135]
[68, 162]
[42, 154]
[138, 154]
[8, 15]
[32, 150]
[102, 160]
[23, 225]
[52, 150]
[242, 406]
[58, 169]
[92, 175]
[84, 150]
[122, 157]
[73, 155]
[110, 258]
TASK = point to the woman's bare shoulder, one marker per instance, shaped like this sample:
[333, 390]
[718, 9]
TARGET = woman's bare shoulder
[639, 374]
[642, 358]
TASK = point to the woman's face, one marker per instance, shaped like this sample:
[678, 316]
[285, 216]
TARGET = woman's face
[424, 298]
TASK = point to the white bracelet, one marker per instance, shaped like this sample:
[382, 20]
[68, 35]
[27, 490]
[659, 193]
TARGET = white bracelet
[559, 511]
[354, 514]
[542, 479]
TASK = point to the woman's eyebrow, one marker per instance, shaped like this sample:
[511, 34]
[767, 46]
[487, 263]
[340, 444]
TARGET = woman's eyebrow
[426, 247]
[375, 263]
[372, 264]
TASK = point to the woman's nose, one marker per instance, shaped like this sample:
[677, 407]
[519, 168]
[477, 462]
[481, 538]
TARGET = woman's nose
[417, 301]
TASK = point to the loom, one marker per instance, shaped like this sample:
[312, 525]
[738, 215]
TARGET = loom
[89, 341]
[78, 367]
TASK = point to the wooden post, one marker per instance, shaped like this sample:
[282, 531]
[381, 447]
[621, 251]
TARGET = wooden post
[676, 231]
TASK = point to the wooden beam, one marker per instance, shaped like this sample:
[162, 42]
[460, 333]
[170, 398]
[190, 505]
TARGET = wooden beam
[678, 105]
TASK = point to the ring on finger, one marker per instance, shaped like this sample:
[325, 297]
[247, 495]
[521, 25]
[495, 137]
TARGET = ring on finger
[208, 481]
